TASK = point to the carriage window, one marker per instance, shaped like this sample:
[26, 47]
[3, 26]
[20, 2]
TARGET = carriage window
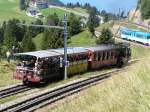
[126, 33]
[99, 56]
[108, 55]
[148, 37]
[103, 56]
[112, 55]
[95, 56]
[138, 35]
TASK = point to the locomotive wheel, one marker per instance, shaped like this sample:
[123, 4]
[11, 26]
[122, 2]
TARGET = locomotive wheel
[120, 63]
[25, 81]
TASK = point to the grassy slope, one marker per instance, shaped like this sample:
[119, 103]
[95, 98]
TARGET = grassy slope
[38, 41]
[10, 9]
[51, 11]
[129, 91]
[80, 10]
[126, 92]
[82, 39]
[6, 73]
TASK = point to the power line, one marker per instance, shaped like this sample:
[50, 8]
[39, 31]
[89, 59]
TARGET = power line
[45, 26]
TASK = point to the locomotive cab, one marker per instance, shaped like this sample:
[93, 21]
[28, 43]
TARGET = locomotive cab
[124, 54]
[37, 67]
[27, 71]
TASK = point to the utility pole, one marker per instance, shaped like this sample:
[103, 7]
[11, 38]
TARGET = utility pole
[65, 45]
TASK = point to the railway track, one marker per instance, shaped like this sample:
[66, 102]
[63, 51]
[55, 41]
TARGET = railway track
[13, 91]
[51, 96]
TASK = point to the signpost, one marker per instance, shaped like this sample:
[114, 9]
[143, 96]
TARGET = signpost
[65, 45]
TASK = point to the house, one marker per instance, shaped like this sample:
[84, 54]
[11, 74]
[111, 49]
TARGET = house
[101, 19]
[33, 12]
[41, 4]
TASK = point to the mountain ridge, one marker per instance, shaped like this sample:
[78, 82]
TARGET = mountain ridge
[55, 2]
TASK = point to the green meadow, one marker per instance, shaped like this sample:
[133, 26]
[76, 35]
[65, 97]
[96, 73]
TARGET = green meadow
[10, 9]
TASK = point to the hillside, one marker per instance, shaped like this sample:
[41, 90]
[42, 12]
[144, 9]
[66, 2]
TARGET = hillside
[10, 9]
[52, 10]
[62, 10]
[143, 5]
[82, 39]
[127, 91]
[55, 2]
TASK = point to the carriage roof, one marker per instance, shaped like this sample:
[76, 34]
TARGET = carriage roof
[102, 47]
[73, 50]
[39, 54]
[59, 52]
[52, 52]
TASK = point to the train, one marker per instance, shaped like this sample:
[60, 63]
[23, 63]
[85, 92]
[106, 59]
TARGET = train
[41, 66]
[136, 35]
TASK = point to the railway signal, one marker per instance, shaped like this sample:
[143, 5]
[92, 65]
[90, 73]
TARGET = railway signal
[65, 28]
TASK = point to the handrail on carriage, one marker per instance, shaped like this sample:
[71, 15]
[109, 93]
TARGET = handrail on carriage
[31, 69]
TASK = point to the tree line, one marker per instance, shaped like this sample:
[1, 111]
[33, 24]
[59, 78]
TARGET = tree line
[107, 16]
[18, 38]
[144, 6]
[14, 34]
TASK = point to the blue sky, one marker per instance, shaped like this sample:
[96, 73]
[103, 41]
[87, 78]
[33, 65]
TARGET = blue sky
[109, 5]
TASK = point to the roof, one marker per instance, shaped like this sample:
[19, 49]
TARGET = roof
[39, 54]
[60, 51]
[52, 52]
[73, 50]
[102, 47]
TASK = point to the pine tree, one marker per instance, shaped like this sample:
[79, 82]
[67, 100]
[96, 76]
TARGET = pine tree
[52, 38]
[34, 31]
[1, 35]
[74, 25]
[145, 9]
[9, 39]
[2, 32]
[45, 39]
[52, 20]
[27, 43]
[93, 21]
[105, 37]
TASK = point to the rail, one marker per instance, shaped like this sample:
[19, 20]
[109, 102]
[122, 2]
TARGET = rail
[13, 91]
[51, 96]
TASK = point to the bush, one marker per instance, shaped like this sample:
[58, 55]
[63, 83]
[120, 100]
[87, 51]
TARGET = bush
[105, 37]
